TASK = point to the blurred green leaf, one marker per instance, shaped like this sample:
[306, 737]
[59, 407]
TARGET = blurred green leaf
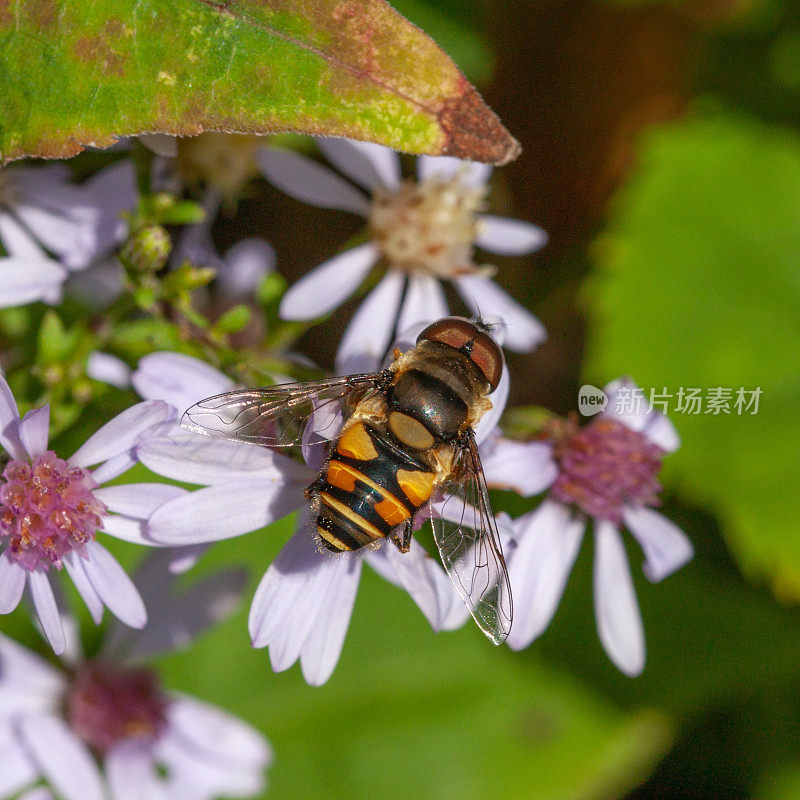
[85, 72]
[698, 287]
[53, 343]
[233, 320]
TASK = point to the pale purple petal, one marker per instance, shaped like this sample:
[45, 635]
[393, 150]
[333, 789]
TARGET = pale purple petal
[128, 529]
[75, 567]
[310, 182]
[190, 458]
[12, 583]
[619, 622]
[17, 769]
[222, 512]
[66, 232]
[162, 144]
[98, 285]
[523, 467]
[244, 268]
[114, 586]
[328, 285]
[424, 301]
[39, 793]
[666, 547]
[370, 165]
[547, 546]
[628, 404]
[137, 499]
[34, 430]
[44, 602]
[62, 758]
[113, 468]
[108, 369]
[17, 241]
[660, 431]
[9, 423]
[179, 379]
[131, 770]
[509, 237]
[25, 673]
[25, 280]
[369, 332]
[122, 432]
[184, 558]
[472, 173]
[499, 398]
[523, 331]
[325, 640]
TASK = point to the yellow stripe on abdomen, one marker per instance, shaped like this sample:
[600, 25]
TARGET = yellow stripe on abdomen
[348, 513]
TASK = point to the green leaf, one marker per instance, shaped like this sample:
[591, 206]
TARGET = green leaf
[81, 72]
[233, 320]
[698, 287]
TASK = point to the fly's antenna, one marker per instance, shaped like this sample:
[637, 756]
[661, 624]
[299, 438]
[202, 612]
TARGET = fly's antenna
[479, 321]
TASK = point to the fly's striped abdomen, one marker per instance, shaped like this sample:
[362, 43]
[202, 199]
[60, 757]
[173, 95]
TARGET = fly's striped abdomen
[368, 488]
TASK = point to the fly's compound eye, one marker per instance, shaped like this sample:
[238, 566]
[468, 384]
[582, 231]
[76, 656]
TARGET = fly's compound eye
[468, 338]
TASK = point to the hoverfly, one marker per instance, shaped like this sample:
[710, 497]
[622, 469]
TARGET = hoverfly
[404, 439]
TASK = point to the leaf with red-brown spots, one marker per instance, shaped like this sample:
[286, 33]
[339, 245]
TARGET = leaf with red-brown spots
[84, 72]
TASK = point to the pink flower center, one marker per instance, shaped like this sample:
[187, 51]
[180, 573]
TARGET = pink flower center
[47, 509]
[107, 704]
[604, 466]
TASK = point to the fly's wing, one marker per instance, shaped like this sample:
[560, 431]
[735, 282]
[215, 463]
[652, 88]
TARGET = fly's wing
[276, 416]
[466, 534]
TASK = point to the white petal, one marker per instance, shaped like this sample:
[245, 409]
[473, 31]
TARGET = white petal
[162, 144]
[108, 369]
[130, 769]
[62, 758]
[114, 586]
[628, 405]
[179, 379]
[619, 622]
[46, 610]
[244, 267]
[74, 564]
[191, 458]
[17, 241]
[65, 231]
[12, 583]
[9, 423]
[509, 237]
[328, 285]
[34, 430]
[499, 397]
[222, 512]
[310, 182]
[523, 467]
[209, 729]
[666, 547]
[523, 331]
[128, 529]
[369, 333]
[122, 432]
[113, 468]
[538, 568]
[424, 302]
[23, 280]
[38, 793]
[184, 558]
[17, 770]
[473, 173]
[660, 431]
[137, 499]
[27, 673]
[372, 166]
[325, 640]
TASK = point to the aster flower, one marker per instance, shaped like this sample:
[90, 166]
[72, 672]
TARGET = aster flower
[605, 471]
[50, 226]
[52, 508]
[108, 721]
[423, 231]
[302, 607]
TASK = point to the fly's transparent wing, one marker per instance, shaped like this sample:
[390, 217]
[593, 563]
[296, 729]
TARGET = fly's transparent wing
[276, 416]
[466, 534]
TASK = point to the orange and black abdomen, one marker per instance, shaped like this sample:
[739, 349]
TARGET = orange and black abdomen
[368, 487]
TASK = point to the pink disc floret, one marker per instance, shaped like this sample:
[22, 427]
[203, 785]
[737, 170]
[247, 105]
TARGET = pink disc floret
[605, 466]
[47, 510]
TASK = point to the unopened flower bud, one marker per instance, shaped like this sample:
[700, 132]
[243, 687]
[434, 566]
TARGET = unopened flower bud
[147, 248]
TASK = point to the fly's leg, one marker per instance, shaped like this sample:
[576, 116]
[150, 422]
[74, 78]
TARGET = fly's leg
[401, 537]
[312, 490]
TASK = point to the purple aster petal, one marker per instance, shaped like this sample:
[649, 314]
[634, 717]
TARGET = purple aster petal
[137, 499]
[370, 165]
[424, 301]
[66, 232]
[619, 622]
[509, 237]
[184, 558]
[244, 267]
[523, 467]
[131, 771]
[17, 241]
[223, 511]
[17, 769]
[25, 673]
[25, 280]
[305, 180]
[9, 423]
[660, 431]
[61, 757]
[12, 583]
[369, 332]
[108, 369]
[44, 603]
[191, 458]
[113, 468]
[548, 541]
[114, 586]
[523, 332]
[128, 529]
[122, 432]
[472, 173]
[34, 430]
[74, 564]
[666, 547]
[38, 793]
[328, 285]
[179, 379]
